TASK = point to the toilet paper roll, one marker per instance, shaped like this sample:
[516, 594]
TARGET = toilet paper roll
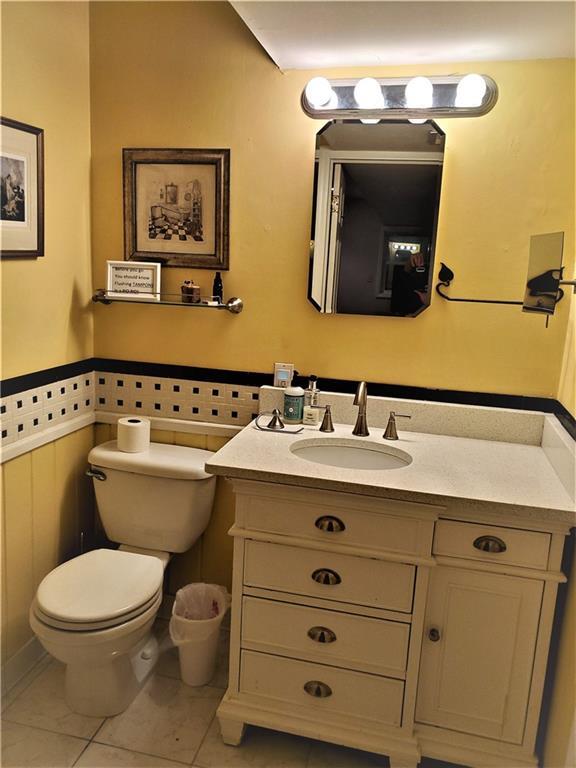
[133, 434]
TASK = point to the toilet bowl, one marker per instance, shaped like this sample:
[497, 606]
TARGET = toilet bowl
[95, 612]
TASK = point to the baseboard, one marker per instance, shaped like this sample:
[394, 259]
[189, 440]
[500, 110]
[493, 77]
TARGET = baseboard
[21, 663]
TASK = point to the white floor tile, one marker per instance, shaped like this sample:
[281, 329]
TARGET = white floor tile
[167, 719]
[103, 756]
[42, 705]
[24, 747]
[323, 755]
[10, 696]
[260, 748]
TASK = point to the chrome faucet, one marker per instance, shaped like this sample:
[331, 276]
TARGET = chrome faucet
[361, 427]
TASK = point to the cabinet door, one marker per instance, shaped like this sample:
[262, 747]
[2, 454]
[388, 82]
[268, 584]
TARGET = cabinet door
[477, 652]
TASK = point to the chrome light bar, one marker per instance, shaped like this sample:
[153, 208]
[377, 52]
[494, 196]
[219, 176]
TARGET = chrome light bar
[413, 98]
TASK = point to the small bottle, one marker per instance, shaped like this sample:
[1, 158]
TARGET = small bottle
[218, 288]
[311, 414]
[293, 404]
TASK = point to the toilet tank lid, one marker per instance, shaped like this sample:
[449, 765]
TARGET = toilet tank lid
[177, 462]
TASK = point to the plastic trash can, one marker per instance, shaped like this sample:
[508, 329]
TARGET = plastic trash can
[197, 614]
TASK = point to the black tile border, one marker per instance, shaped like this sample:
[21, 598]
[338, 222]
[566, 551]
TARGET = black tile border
[43, 378]
[256, 379]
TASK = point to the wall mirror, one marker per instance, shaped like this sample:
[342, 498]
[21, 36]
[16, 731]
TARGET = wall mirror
[374, 217]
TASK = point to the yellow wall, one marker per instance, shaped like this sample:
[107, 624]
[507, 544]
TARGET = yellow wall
[46, 313]
[191, 75]
[47, 501]
[567, 384]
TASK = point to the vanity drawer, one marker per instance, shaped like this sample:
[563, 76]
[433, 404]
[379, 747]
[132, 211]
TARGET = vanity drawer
[331, 690]
[328, 637]
[393, 526]
[492, 544]
[359, 580]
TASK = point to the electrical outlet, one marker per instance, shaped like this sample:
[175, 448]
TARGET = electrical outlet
[283, 373]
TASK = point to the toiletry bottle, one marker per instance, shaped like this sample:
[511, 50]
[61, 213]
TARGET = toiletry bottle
[311, 414]
[218, 288]
[293, 404]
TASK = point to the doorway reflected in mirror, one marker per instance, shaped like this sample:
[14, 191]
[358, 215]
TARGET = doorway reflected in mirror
[377, 192]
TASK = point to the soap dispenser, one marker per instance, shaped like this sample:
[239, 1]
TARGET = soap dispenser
[311, 414]
[293, 404]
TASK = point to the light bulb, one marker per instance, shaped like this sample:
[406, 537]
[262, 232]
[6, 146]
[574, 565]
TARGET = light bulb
[319, 92]
[368, 94]
[369, 122]
[470, 91]
[416, 122]
[419, 93]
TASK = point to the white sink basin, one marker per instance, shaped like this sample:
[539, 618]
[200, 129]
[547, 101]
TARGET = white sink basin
[350, 454]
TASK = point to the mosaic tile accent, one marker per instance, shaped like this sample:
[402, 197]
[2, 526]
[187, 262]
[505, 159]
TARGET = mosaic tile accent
[176, 398]
[35, 410]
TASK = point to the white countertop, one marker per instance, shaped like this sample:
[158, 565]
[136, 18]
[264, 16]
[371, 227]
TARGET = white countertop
[517, 478]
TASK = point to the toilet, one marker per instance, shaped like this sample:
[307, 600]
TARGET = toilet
[95, 612]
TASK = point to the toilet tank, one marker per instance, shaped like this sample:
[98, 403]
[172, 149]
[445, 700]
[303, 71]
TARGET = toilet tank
[160, 498]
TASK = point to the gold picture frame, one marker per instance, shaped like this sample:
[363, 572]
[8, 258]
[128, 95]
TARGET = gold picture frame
[176, 207]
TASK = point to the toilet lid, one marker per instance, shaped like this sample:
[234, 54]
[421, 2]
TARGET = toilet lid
[99, 585]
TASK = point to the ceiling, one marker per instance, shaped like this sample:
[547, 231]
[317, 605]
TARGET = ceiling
[312, 35]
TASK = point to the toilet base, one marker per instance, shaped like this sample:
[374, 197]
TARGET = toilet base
[102, 691]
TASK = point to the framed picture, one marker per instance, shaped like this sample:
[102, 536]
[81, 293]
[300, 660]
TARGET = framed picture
[176, 204]
[137, 281]
[21, 190]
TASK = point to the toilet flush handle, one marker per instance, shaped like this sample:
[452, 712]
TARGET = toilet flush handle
[97, 474]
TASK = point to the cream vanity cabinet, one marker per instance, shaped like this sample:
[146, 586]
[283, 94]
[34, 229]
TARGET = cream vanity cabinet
[379, 624]
[485, 645]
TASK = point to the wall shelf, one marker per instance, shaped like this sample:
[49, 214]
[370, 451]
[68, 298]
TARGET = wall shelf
[233, 305]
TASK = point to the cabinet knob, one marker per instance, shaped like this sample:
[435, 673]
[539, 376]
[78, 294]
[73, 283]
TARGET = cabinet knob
[326, 576]
[330, 524]
[434, 634]
[322, 635]
[490, 544]
[317, 689]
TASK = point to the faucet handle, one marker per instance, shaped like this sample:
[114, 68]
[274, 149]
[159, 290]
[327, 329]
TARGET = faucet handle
[327, 425]
[391, 433]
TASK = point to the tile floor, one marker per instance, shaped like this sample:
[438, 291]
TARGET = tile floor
[168, 725]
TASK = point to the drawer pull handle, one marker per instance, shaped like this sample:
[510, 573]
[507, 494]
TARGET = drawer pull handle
[317, 689]
[490, 544]
[321, 634]
[434, 634]
[330, 524]
[326, 576]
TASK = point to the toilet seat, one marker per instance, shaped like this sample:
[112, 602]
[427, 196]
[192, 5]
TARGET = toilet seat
[99, 590]
[83, 626]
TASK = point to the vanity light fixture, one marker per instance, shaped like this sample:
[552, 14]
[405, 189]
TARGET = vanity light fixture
[419, 94]
[319, 93]
[368, 95]
[392, 98]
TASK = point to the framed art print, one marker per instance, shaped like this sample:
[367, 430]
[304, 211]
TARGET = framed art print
[176, 206]
[21, 190]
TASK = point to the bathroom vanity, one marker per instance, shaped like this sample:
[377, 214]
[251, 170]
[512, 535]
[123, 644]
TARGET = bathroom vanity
[404, 612]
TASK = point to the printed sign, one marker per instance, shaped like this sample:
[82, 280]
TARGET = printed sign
[136, 280]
